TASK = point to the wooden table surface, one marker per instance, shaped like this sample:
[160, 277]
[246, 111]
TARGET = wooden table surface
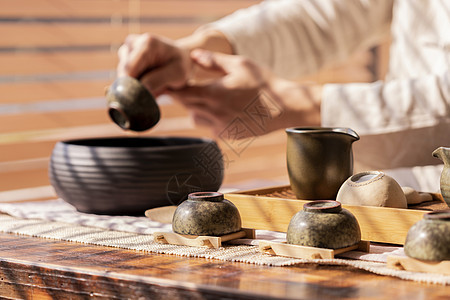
[36, 268]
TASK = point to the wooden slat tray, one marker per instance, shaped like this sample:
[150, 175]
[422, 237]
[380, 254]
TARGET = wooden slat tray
[415, 265]
[296, 251]
[201, 241]
[272, 209]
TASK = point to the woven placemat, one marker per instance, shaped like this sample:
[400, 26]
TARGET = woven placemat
[135, 234]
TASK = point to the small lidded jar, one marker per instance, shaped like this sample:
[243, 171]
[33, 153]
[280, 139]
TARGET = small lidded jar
[324, 224]
[206, 213]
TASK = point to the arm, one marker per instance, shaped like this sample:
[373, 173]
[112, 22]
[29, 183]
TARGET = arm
[400, 122]
[160, 63]
[294, 38]
[249, 96]
[207, 39]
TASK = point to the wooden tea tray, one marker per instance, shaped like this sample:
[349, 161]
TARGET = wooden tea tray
[201, 241]
[296, 251]
[415, 265]
[272, 209]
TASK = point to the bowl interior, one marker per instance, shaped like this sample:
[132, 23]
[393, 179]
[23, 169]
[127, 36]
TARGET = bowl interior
[137, 142]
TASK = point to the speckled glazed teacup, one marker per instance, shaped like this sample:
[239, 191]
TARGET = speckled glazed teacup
[206, 213]
[324, 224]
[429, 239]
[131, 106]
[319, 160]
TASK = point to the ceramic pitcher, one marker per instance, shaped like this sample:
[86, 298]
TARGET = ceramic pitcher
[444, 154]
[319, 160]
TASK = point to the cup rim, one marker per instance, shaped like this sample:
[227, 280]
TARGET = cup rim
[323, 206]
[117, 143]
[115, 111]
[322, 130]
[206, 196]
[353, 179]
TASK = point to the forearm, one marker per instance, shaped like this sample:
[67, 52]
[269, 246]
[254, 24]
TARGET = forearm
[384, 107]
[208, 39]
[295, 38]
[298, 104]
[400, 122]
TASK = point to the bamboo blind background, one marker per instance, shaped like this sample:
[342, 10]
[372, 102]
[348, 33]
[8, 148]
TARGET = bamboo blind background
[57, 57]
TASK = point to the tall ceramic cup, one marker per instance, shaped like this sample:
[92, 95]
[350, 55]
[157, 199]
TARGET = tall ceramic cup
[319, 160]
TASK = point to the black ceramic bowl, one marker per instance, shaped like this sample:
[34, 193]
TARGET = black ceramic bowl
[129, 175]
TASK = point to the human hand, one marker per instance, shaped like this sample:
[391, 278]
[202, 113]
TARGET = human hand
[216, 103]
[248, 93]
[159, 63]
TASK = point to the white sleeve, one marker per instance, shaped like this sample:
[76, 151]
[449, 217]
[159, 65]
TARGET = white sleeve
[401, 121]
[297, 37]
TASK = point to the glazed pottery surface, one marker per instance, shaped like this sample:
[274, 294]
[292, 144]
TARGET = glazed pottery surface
[131, 106]
[444, 154]
[130, 175]
[324, 224]
[372, 188]
[429, 239]
[206, 213]
[319, 160]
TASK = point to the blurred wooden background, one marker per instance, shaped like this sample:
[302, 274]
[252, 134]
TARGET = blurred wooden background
[57, 57]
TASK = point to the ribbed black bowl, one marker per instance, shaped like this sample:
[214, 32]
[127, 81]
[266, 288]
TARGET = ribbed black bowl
[129, 175]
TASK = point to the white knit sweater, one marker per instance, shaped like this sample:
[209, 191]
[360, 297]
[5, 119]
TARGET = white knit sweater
[400, 120]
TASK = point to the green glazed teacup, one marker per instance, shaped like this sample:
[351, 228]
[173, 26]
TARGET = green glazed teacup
[131, 106]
